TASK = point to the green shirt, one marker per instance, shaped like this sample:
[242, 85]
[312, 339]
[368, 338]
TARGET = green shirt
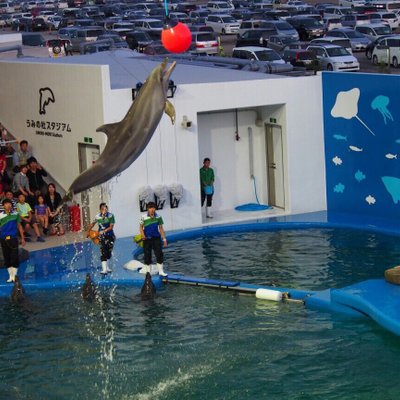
[206, 177]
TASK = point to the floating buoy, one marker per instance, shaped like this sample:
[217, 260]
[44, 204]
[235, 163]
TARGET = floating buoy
[267, 294]
[176, 38]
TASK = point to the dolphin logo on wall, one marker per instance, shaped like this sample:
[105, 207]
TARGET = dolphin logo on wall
[128, 138]
[46, 97]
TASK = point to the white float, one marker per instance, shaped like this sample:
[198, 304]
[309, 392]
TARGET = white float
[267, 294]
[137, 266]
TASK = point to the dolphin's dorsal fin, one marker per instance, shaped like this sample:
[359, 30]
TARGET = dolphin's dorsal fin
[108, 129]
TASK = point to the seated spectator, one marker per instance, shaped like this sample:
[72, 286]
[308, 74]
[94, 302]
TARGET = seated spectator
[20, 157]
[42, 213]
[9, 195]
[27, 220]
[4, 178]
[54, 201]
[35, 176]
[21, 185]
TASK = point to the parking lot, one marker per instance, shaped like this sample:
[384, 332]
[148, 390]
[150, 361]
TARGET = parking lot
[228, 43]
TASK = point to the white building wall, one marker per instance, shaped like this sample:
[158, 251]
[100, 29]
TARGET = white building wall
[174, 155]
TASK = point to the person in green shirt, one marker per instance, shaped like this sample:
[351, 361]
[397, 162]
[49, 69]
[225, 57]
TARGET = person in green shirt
[207, 185]
[10, 226]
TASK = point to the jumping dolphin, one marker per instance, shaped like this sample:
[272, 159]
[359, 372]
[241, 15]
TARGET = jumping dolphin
[88, 289]
[129, 137]
[148, 291]
[18, 292]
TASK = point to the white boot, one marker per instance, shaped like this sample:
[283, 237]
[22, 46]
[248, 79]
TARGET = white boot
[208, 212]
[104, 268]
[145, 269]
[161, 270]
[13, 273]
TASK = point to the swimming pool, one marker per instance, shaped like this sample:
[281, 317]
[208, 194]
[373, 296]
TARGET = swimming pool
[195, 343]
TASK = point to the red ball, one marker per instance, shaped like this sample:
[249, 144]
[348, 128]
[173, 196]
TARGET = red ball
[176, 39]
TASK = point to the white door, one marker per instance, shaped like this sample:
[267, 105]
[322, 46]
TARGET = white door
[275, 169]
[90, 199]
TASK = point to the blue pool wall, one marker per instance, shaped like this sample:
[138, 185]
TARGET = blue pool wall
[362, 143]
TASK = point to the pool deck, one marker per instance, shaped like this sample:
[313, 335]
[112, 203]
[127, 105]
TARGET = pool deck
[375, 298]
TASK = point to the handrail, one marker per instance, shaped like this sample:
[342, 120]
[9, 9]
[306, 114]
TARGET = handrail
[16, 47]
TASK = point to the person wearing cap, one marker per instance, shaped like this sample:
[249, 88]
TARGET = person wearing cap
[105, 220]
[153, 236]
[10, 225]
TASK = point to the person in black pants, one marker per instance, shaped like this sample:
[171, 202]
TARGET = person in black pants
[10, 225]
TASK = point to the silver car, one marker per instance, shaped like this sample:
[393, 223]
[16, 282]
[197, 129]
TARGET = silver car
[358, 41]
[334, 58]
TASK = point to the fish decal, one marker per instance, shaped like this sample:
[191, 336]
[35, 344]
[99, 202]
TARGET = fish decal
[390, 156]
[337, 160]
[339, 188]
[370, 200]
[392, 185]
[355, 148]
[129, 137]
[340, 137]
[359, 176]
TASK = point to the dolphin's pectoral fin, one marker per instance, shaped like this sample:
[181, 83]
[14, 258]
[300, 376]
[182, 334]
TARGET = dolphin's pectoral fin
[108, 129]
[170, 110]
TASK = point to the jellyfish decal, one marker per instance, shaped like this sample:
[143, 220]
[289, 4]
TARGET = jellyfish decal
[346, 106]
[381, 103]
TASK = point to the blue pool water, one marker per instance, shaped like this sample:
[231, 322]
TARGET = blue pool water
[196, 343]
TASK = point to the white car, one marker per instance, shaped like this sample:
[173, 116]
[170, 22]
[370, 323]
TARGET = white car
[389, 18]
[387, 49]
[351, 3]
[373, 31]
[257, 53]
[334, 58]
[224, 24]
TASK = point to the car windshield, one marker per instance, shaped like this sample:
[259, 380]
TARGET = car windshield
[389, 15]
[264, 55]
[223, 5]
[383, 30]
[284, 26]
[205, 37]
[228, 20]
[362, 17]
[94, 33]
[142, 36]
[337, 52]
[354, 35]
[311, 23]
[156, 24]
[305, 55]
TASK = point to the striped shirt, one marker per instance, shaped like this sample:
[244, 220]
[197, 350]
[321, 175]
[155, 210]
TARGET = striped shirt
[9, 225]
[150, 225]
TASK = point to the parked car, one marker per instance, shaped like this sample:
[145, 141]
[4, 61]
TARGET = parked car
[181, 17]
[338, 41]
[224, 24]
[250, 24]
[85, 35]
[301, 58]
[307, 28]
[196, 15]
[387, 51]
[330, 23]
[389, 18]
[375, 42]
[257, 53]
[351, 3]
[374, 30]
[337, 11]
[254, 37]
[220, 6]
[155, 48]
[152, 26]
[353, 20]
[58, 47]
[334, 58]
[53, 22]
[138, 40]
[185, 7]
[283, 28]
[118, 40]
[205, 43]
[33, 39]
[358, 41]
[279, 42]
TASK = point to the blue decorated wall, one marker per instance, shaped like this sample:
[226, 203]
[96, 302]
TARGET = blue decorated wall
[362, 143]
